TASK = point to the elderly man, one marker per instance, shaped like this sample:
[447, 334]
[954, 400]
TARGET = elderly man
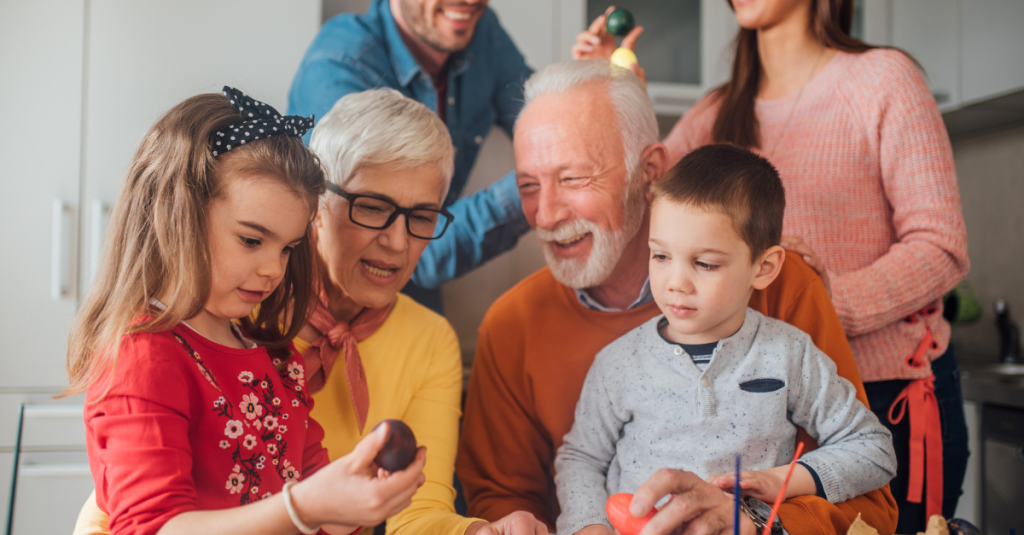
[586, 153]
[456, 59]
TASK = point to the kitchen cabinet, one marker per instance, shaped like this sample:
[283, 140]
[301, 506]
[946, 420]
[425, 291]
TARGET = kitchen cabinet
[970, 51]
[993, 64]
[685, 44]
[82, 82]
[41, 58]
[929, 31]
[139, 68]
[53, 476]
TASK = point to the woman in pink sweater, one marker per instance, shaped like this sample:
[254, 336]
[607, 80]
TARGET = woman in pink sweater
[871, 201]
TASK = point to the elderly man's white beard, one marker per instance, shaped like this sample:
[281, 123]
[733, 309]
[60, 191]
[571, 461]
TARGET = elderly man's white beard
[606, 248]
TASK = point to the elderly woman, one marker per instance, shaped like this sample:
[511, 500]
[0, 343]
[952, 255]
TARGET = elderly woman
[372, 353]
[389, 161]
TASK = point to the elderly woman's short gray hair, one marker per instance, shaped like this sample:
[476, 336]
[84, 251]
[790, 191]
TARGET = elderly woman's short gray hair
[380, 126]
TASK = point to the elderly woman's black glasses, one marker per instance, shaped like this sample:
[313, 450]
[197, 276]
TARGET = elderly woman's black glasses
[373, 212]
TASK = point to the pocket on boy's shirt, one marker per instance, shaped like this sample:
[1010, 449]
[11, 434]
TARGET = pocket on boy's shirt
[763, 385]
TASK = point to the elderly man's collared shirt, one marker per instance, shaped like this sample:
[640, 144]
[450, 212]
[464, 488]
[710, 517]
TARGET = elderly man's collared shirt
[588, 301]
[354, 53]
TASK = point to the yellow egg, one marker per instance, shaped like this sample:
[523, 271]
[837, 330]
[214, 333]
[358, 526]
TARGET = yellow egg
[623, 57]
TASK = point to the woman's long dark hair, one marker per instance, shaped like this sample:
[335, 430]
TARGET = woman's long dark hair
[737, 123]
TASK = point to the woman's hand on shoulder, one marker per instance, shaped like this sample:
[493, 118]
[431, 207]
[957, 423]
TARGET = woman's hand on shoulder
[369, 494]
[517, 523]
[798, 246]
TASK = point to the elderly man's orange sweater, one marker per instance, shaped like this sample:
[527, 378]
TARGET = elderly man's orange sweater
[535, 346]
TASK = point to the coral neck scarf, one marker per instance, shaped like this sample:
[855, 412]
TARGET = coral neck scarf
[342, 335]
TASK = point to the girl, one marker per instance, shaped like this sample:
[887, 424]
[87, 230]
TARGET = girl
[871, 186]
[195, 422]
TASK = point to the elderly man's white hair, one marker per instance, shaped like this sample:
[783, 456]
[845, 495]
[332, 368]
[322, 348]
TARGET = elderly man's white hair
[634, 112]
[380, 126]
[638, 129]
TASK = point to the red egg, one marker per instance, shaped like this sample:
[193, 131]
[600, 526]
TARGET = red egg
[400, 448]
[617, 508]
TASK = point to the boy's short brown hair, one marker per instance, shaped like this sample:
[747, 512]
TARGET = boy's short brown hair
[736, 182]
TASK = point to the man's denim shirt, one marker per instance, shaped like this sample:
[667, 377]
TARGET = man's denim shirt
[485, 86]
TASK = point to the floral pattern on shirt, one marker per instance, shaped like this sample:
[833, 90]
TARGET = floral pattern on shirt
[254, 434]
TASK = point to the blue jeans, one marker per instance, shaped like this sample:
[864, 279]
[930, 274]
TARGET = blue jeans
[881, 395]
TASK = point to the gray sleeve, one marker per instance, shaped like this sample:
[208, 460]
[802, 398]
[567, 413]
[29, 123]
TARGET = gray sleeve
[856, 453]
[581, 466]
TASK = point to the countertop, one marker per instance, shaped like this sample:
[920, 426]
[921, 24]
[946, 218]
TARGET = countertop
[995, 384]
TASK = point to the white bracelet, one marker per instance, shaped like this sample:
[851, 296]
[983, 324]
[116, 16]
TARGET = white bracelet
[302, 526]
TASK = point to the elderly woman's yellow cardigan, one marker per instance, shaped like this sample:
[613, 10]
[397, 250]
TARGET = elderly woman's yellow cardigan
[414, 372]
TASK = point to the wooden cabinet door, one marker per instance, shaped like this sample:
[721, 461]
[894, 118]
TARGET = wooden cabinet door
[41, 107]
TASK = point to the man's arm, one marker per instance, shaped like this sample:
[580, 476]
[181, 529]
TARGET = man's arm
[487, 223]
[322, 80]
[504, 449]
[798, 297]
[490, 221]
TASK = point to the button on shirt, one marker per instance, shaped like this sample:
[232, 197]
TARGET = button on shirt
[484, 87]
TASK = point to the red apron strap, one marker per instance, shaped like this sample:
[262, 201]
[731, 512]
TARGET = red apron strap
[919, 402]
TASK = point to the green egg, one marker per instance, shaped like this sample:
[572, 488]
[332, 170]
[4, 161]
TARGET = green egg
[620, 22]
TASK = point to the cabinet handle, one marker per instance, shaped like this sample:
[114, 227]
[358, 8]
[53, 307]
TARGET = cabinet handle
[58, 262]
[100, 211]
[56, 470]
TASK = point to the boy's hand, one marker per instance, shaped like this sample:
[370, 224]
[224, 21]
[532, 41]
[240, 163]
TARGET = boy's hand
[597, 529]
[765, 484]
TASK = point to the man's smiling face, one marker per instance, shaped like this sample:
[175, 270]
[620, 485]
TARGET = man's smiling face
[444, 25]
[573, 181]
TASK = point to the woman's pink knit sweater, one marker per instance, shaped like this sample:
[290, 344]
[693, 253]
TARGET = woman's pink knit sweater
[871, 187]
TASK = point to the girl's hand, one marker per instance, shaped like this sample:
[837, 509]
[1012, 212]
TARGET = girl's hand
[765, 484]
[353, 491]
[797, 245]
[517, 523]
[596, 43]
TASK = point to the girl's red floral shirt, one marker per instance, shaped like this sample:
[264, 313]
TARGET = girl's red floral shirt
[189, 424]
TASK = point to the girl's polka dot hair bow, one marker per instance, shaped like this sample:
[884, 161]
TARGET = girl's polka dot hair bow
[261, 121]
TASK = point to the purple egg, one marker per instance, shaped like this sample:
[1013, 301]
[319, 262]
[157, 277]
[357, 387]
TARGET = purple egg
[399, 450]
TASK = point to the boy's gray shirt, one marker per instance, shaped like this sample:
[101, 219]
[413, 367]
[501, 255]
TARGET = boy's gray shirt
[645, 406]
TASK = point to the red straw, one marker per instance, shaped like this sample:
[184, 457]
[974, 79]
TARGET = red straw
[782, 492]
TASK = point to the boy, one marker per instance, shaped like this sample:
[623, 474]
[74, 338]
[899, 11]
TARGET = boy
[711, 378]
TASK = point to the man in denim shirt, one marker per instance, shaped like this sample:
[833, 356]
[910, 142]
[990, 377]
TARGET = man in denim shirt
[458, 61]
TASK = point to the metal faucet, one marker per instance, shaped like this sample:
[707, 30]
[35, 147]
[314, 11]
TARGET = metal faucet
[1009, 335]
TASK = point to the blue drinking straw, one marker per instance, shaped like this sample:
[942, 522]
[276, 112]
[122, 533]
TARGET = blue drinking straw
[736, 497]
